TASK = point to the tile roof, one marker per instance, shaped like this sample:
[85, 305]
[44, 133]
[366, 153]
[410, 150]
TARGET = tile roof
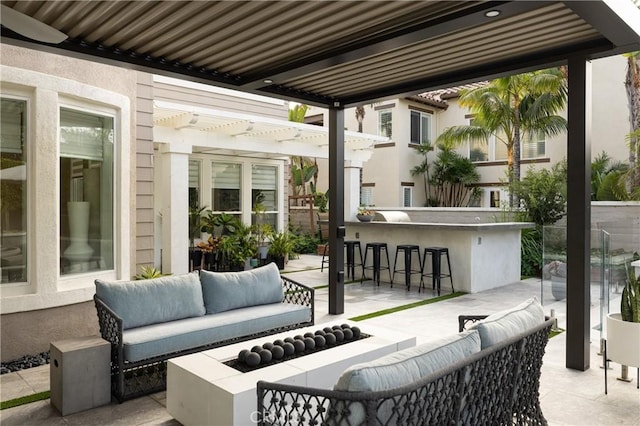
[438, 98]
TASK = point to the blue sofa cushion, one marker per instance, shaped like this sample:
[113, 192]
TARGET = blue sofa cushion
[157, 300]
[509, 323]
[161, 339]
[401, 368]
[224, 291]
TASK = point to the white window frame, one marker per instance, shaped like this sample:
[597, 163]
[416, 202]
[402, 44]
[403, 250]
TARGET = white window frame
[421, 116]
[44, 190]
[380, 113]
[492, 143]
[407, 190]
[24, 287]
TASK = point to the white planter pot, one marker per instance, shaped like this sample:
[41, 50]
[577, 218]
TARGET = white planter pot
[623, 341]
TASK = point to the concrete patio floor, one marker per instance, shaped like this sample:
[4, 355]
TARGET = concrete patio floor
[568, 397]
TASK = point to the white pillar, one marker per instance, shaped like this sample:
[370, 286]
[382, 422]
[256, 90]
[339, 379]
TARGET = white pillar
[175, 207]
[351, 188]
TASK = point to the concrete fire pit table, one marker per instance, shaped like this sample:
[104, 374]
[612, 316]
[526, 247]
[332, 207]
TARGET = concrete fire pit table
[201, 389]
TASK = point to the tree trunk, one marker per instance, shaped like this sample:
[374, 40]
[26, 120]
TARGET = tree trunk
[632, 86]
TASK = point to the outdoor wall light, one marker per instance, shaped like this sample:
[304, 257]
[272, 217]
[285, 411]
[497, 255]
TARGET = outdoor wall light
[492, 13]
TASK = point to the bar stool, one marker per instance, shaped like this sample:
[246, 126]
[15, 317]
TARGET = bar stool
[376, 249]
[436, 274]
[350, 245]
[408, 250]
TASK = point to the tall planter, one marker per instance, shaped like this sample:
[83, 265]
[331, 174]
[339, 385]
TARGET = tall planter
[623, 341]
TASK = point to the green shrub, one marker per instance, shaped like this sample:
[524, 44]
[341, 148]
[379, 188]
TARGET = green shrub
[531, 252]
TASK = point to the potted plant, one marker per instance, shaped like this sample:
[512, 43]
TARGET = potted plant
[365, 214]
[195, 225]
[623, 328]
[280, 247]
[262, 233]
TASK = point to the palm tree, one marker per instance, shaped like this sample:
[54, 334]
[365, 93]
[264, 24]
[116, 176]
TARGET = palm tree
[452, 178]
[632, 86]
[511, 108]
[360, 117]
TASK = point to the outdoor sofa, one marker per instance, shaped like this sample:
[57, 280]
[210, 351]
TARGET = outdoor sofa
[488, 374]
[150, 321]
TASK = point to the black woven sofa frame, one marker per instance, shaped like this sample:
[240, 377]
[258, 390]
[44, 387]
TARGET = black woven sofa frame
[497, 386]
[133, 379]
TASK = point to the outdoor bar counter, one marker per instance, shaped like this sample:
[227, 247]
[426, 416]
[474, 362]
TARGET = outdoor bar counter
[483, 255]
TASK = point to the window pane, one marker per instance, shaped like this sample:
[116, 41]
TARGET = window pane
[426, 128]
[86, 192]
[194, 183]
[406, 196]
[478, 151]
[501, 151]
[533, 147]
[264, 194]
[415, 127]
[225, 184]
[384, 121]
[13, 190]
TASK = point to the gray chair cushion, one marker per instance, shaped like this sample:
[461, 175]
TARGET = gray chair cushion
[160, 339]
[153, 301]
[224, 291]
[409, 365]
[508, 323]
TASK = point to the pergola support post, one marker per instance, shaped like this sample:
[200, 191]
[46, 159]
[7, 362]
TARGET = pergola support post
[336, 210]
[578, 214]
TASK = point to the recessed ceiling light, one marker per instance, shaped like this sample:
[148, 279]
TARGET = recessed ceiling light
[492, 13]
[268, 81]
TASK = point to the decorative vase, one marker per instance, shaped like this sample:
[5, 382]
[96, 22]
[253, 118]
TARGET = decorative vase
[365, 217]
[79, 251]
[623, 341]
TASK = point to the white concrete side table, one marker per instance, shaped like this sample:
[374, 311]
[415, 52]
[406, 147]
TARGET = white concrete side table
[80, 374]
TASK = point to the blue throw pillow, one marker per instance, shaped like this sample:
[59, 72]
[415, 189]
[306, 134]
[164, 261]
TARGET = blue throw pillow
[153, 301]
[224, 291]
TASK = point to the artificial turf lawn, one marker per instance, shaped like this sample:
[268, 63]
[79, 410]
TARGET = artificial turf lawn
[25, 400]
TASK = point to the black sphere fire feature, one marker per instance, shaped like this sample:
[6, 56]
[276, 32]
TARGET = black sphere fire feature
[281, 350]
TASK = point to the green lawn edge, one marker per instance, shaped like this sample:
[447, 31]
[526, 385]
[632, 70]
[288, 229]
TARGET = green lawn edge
[408, 306]
[24, 400]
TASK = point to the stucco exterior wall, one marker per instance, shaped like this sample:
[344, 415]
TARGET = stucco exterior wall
[49, 307]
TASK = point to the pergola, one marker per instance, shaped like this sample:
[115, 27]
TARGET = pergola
[339, 54]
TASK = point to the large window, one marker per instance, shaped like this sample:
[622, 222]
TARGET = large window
[420, 127]
[86, 191]
[226, 181]
[384, 122]
[264, 194]
[13, 189]
[495, 149]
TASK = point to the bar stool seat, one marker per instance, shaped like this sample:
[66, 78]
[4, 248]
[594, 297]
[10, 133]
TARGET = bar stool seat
[436, 274]
[376, 250]
[408, 270]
